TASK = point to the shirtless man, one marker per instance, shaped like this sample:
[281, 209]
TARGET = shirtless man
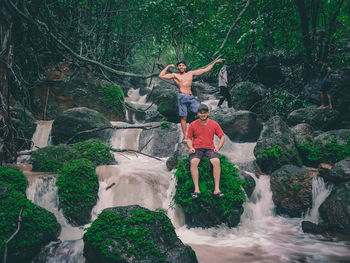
[183, 81]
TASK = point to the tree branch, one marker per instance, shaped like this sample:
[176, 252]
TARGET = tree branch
[145, 154]
[14, 234]
[42, 25]
[238, 19]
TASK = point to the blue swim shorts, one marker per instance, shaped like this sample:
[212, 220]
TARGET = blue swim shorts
[185, 101]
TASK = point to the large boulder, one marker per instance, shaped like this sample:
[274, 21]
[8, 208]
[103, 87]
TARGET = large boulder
[67, 86]
[276, 146]
[180, 152]
[302, 133]
[340, 172]
[160, 141]
[134, 234]
[318, 119]
[239, 126]
[291, 188]
[208, 210]
[73, 121]
[248, 96]
[335, 210]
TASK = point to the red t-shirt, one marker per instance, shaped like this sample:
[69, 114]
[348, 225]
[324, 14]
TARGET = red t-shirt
[203, 135]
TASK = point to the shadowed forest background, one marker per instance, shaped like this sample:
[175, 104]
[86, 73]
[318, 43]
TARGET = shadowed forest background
[118, 39]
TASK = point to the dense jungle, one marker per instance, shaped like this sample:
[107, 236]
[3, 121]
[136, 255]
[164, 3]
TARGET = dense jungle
[93, 168]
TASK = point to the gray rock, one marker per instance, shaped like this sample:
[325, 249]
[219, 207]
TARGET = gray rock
[249, 184]
[160, 141]
[340, 172]
[319, 119]
[181, 152]
[291, 188]
[73, 121]
[276, 146]
[309, 227]
[239, 126]
[335, 210]
[247, 95]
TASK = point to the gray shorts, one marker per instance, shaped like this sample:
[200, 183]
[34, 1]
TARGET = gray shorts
[200, 152]
[185, 101]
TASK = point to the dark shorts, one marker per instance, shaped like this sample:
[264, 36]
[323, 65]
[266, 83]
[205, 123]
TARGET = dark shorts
[185, 101]
[325, 86]
[199, 153]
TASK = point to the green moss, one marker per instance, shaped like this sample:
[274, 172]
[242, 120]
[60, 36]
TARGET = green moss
[331, 152]
[38, 227]
[113, 97]
[120, 235]
[95, 151]
[52, 158]
[230, 185]
[13, 177]
[77, 190]
[273, 152]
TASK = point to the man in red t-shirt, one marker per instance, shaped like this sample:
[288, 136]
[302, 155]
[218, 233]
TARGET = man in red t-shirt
[201, 142]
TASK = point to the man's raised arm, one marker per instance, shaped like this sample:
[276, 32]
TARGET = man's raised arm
[164, 75]
[200, 71]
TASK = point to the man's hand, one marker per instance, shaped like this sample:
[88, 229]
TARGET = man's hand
[192, 150]
[219, 60]
[171, 66]
[216, 150]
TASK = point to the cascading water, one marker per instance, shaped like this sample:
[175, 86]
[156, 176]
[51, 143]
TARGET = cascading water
[261, 236]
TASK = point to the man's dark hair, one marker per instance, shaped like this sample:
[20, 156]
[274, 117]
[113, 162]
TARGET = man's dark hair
[181, 62]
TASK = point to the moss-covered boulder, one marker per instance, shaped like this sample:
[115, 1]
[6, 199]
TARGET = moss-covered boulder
[77, 190]
[13, 177]
[52, 158]
[134, 234]
[328, 147]
[276, 146]
[76, 120]
[95, 151]
[209, 210]
[291, 188]
[38, 227]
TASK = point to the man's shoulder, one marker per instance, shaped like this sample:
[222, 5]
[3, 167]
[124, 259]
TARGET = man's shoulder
[212, 122]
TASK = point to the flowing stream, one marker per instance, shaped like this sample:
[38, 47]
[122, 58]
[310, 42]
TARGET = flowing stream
[261, 236]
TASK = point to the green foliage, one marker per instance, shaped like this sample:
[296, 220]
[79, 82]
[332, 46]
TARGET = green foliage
[280, 102]
[116, 234]
[38, 227]
[273, 152]
[77, 189]
[164, 125]
[113, 97]
[95, 151]
[230, 185]
[52, 158]
[331, 152]
[13, 177]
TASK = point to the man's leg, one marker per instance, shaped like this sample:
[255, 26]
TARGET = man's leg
[184, 125]
[195, 174]
[228, 97]
[216, 173]
[322, 101]
[330, 106]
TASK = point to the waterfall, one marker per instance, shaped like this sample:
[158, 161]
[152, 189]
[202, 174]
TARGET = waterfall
[43, 192]
[320, 191]
[41, 135]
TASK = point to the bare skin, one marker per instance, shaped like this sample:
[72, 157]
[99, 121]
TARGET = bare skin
[203, 119]
[183, 81]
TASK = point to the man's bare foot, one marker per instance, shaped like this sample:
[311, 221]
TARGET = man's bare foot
[330, 107]
[321, 107]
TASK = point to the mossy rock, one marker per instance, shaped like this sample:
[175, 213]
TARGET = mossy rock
[77, 190]
[70, 122]
[95, 151]
[52, 158]
[13, 177]
[209, 210]
[38, 226]
[134, 234]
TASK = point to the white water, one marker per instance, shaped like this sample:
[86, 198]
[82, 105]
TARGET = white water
[261, 236]
[41, 135]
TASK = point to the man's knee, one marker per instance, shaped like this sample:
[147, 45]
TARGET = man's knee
[215, 162]
[195, 162]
